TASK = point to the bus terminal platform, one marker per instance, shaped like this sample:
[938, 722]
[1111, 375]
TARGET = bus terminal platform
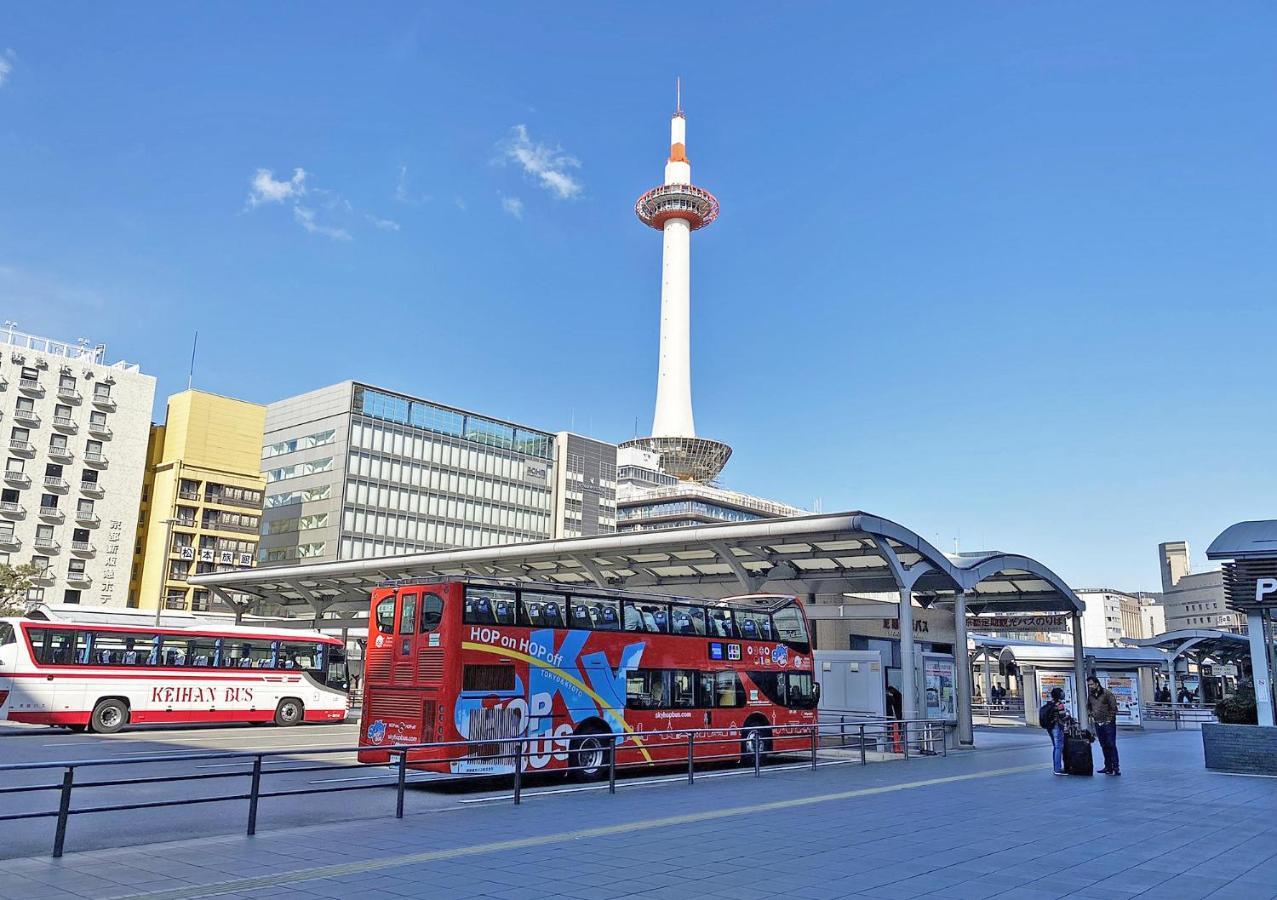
[990, 822]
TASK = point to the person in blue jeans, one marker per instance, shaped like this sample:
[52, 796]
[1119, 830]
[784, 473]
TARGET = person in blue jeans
[1053, 717]
[1101, 707]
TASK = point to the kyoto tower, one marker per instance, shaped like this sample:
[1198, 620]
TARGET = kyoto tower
[676, 209]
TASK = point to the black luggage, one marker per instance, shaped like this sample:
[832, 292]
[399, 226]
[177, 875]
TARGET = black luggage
[1077, 755]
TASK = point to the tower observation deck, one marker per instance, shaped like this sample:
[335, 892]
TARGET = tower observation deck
[676, 209]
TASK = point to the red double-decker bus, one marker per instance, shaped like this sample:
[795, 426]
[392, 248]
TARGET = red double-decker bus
[484, 662]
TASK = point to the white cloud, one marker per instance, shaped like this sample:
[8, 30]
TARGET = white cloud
[383, 224]
[306, 219]
[266, 189]
[513, 206]
[549, 165]
[7, 57]
[461, 203]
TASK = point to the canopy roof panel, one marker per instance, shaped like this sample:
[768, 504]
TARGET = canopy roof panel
[818, 557]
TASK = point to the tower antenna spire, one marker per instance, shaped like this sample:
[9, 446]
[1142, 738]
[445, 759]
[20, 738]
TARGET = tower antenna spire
[678, 95]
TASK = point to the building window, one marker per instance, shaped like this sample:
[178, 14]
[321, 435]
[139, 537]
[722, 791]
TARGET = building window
[102, 390]
[70, 596]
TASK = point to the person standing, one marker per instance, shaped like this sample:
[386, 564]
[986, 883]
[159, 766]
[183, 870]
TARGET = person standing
[1101, 706]
[1053, 716]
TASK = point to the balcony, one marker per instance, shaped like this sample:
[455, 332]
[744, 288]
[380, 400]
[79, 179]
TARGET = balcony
[69, 393]
[62, 453]
[21, 479]
[175, 602]
[91, 487]
[52, 514]
[189, 495]
[9, 540]
[86, 517]
[26, 416]
[47, 544]
[65, 423]
[95, 458]
[31, 386]
[55, 483]
[18, 446]
[184, 523]
[178, 576]
[12, 508]
[80, 578]
[226, 526]
[232, 501]
[100, 429]
[103, 401]
[84, 548]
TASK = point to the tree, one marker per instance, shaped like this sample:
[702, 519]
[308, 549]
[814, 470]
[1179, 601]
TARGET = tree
[15, 582]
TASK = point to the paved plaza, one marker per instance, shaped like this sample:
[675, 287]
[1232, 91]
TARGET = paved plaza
[988, 823]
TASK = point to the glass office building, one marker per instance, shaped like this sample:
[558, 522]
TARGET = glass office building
[355, 471]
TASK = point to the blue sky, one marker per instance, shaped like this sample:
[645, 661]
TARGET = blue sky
[1003, 272]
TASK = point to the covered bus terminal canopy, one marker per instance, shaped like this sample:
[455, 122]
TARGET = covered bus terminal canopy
[825, 559]
[1197, 645]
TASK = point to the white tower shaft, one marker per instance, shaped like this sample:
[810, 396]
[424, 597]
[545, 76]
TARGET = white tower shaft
[674, 374]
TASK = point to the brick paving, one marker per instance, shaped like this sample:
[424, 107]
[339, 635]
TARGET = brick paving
[988, 823]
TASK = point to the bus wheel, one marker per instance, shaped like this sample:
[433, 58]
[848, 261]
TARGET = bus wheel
[289, 712]
[755, 736]
[589, 757]
[109, 716]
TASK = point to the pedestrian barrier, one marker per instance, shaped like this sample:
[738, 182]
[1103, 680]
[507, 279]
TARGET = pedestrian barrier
[1184, 715]
[916, 736]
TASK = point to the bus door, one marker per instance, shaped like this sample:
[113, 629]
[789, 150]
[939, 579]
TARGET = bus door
[404, 656]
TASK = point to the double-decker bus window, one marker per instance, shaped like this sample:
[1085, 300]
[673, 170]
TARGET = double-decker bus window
[645, 689]
[721, 623]
[601, 613]
[791, 629]
[802, 691]
[683, 689]
[408, 614]
[728, 690]
[705, 689]
[482, 604]
[772, 685]
[487, 678]
[687, 619]
[386, 615]
[648, 617]
[542, 609]
[754, 626]
[431, 611]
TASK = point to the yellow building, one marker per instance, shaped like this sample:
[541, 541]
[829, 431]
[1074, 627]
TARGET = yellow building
[201, 499]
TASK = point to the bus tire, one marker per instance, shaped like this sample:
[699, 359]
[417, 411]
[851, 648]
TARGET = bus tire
[588, 756]
[755, 731]
[290, 711]
[109, 716]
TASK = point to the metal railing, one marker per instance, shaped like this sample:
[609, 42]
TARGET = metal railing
[1182, 714]
[747, 745]
[1012, 707]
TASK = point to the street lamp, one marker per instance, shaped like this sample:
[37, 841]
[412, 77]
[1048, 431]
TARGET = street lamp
[168, 551]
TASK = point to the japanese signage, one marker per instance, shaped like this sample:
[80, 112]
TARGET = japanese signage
[1049, 680]
[1018, 623]
[111, 559]
[1125, 687]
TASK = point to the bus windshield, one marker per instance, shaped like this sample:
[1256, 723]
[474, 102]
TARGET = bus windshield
[337, 674]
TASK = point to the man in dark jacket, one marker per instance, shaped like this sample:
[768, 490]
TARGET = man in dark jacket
[1101, 708]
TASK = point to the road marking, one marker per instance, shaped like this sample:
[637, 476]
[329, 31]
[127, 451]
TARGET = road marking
[392, 862]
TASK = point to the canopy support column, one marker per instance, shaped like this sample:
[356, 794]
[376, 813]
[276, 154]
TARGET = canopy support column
[962, 657]
[906, 577]
[1079, 671]
[1261, 677]
[988, 685]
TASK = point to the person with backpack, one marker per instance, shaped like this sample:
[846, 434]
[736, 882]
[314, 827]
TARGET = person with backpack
[1053, 717]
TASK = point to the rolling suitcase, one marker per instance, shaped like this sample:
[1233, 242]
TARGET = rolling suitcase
[1077, 755]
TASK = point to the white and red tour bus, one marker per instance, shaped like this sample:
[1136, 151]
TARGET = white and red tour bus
[103, 676]
[482, 662]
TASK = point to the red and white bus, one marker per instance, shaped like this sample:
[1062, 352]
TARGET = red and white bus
[486, 661]
[103, 676]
